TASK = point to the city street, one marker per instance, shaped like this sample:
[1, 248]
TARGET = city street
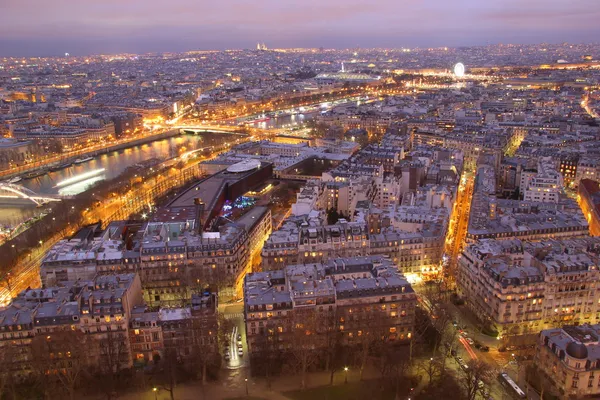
[233, 313]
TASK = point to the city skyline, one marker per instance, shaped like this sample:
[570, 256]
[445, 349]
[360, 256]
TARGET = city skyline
[52, 29]
[388, 200]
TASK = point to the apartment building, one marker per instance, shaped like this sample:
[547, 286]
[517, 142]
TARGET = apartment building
[351, 295]
[569, 357]
[522, 287]
[412, 236]
[545, 185]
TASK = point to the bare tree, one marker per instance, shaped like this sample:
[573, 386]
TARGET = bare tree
[304, 342]
[63, 355]
[9, 360]
[449, 339]
[334, 349]
[113, 355]
[170, 363]
[446, 387]
[539, 382]
[268, 352]
[431, 367]
[476, 371]
[204, 347]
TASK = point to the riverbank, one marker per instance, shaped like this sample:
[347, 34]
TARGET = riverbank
[73, 155]
[19, 269]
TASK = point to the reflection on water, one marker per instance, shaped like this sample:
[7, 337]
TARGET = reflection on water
[80, 186]
[78, 178]
[114, 163]
[287, 121]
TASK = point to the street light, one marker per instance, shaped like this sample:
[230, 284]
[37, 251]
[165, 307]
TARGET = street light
[345, 375]
[246, 380]
[155, 390]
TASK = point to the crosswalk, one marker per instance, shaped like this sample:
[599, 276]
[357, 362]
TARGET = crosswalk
[233, 316]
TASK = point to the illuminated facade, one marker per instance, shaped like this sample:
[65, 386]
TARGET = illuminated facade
[522, 287]
[568, 357]
[354, 296]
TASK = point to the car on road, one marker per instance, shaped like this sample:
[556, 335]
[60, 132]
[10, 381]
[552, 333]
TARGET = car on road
[240, 352]
[469, 340]
[463, 333]
[227, 357]
[485, 349]
[239, 337]
[459, 360]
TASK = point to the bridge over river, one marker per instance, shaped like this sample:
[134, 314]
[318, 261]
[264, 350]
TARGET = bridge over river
[11, 191]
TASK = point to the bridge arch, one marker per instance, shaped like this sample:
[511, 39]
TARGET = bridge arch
[24, 193]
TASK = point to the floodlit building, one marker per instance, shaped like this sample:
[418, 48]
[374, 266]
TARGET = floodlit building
[522, 287]
[355, 296]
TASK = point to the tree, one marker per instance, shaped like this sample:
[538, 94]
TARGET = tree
[432, 367]
[442, 388]
[334, 349]
[304, 342]
[475, 372]
[318, 129]
[170, 363]
[537, 379]
[9, 359]
[373, 339]
[61, 357]
[204, 347]
[113, 357]
[393, 362]
[267, 350]
[332, 216]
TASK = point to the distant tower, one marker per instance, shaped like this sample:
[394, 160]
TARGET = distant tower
[258, 46]
[343, 70]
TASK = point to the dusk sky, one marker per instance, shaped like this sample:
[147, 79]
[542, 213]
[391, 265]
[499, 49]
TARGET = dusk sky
[81, 27]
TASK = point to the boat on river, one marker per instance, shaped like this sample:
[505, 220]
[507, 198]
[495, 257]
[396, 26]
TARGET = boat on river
[83, 160]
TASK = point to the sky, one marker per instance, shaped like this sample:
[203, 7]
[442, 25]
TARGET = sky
[83, 27]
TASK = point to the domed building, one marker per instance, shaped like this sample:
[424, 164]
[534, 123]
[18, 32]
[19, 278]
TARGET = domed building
[570, 358]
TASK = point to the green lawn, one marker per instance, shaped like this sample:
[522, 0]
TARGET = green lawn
[351, 391]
